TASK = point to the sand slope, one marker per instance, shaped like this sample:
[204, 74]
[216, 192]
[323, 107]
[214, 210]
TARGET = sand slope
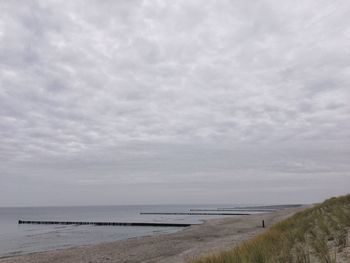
[213, 235]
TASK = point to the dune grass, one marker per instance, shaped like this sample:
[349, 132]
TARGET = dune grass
[316, 234]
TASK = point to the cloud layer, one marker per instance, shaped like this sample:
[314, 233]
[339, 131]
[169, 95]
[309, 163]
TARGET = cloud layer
[121, 99]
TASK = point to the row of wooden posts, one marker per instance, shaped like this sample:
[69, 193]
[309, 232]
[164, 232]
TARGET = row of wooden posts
[109, 223]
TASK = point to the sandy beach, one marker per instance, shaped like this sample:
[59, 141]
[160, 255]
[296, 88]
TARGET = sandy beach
[213, 235]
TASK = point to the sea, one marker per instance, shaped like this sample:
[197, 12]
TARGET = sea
[18, 239]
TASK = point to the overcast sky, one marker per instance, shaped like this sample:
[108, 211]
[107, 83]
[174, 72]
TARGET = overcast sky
[182, 101]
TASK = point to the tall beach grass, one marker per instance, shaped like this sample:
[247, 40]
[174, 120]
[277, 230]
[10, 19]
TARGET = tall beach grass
[317, 234]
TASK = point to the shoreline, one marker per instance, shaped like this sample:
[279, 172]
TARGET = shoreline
[212, 235]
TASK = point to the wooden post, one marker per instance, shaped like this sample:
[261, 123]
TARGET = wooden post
[155, 224]
[263, 223]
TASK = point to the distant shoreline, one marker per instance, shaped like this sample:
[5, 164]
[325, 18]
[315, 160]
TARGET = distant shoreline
[185, 244]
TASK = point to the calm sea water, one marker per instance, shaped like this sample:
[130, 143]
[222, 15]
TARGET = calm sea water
[21, 239]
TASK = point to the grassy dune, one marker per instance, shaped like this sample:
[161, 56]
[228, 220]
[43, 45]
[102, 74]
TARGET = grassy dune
[318, 234]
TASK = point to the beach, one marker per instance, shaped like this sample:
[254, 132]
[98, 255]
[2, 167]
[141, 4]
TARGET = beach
[197, 240]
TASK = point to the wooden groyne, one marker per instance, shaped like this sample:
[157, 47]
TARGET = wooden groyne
[273, 207]
[234, 210]
[102, 223]
[198, 214]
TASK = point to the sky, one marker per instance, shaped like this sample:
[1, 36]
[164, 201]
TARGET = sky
[174, 102]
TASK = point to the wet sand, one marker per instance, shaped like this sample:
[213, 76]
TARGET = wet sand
[213, 235]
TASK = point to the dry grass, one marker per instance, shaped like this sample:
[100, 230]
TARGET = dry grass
[313, 235]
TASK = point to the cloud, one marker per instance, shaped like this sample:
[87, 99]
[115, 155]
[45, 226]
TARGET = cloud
[88, 87]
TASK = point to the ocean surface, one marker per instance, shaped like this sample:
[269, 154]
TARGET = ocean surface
[18, 239]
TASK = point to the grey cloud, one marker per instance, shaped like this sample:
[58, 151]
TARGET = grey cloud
[151, 91]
